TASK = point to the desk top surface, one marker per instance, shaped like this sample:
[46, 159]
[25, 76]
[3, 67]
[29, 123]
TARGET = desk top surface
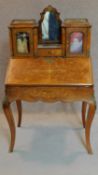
[49, 71]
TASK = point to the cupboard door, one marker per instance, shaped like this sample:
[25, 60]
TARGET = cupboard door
[22, 42]
[76, 42]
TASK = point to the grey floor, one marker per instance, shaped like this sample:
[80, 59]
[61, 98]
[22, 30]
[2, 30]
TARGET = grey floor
[50, 141]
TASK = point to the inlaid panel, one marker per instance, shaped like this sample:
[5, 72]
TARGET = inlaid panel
[50, 71]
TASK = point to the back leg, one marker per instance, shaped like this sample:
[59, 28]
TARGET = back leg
[84, 107]
[19, 108]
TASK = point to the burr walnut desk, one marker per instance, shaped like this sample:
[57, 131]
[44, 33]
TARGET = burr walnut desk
[50, 62]
[39, 79]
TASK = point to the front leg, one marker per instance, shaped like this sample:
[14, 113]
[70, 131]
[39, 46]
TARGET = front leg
[11, 123]
[90, 116]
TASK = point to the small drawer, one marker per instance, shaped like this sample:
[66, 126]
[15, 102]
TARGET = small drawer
[49, 52]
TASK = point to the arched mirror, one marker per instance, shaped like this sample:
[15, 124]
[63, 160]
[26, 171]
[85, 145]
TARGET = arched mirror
[49, 26]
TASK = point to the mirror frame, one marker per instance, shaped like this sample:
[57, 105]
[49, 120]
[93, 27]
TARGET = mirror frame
[57, 14]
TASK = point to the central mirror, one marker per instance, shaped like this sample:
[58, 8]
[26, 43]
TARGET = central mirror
[49, 26]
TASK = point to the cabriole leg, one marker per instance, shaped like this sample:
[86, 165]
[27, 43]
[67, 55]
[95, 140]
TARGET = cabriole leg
[11, 123]
[90, 116]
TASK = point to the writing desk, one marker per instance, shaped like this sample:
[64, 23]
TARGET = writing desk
[49, 79]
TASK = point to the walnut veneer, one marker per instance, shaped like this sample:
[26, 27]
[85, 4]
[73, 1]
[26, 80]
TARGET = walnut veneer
[50, 70]
[52, 79]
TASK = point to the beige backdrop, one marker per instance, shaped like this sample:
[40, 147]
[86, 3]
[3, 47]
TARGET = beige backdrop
[12, 9]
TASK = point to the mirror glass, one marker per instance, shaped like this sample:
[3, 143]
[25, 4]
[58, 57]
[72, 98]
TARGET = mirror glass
[76, 42]
[50, 27]
[22, 39]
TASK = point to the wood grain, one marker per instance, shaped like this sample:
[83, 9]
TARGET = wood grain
[49, 71]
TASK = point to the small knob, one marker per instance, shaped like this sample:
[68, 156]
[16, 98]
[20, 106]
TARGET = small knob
[49, 52]
[67, 41]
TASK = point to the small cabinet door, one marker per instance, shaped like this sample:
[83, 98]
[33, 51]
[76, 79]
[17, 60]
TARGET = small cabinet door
[76, 42]
[22, 42]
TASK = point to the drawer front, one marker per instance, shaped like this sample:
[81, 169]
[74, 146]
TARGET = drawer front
[49, 52]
